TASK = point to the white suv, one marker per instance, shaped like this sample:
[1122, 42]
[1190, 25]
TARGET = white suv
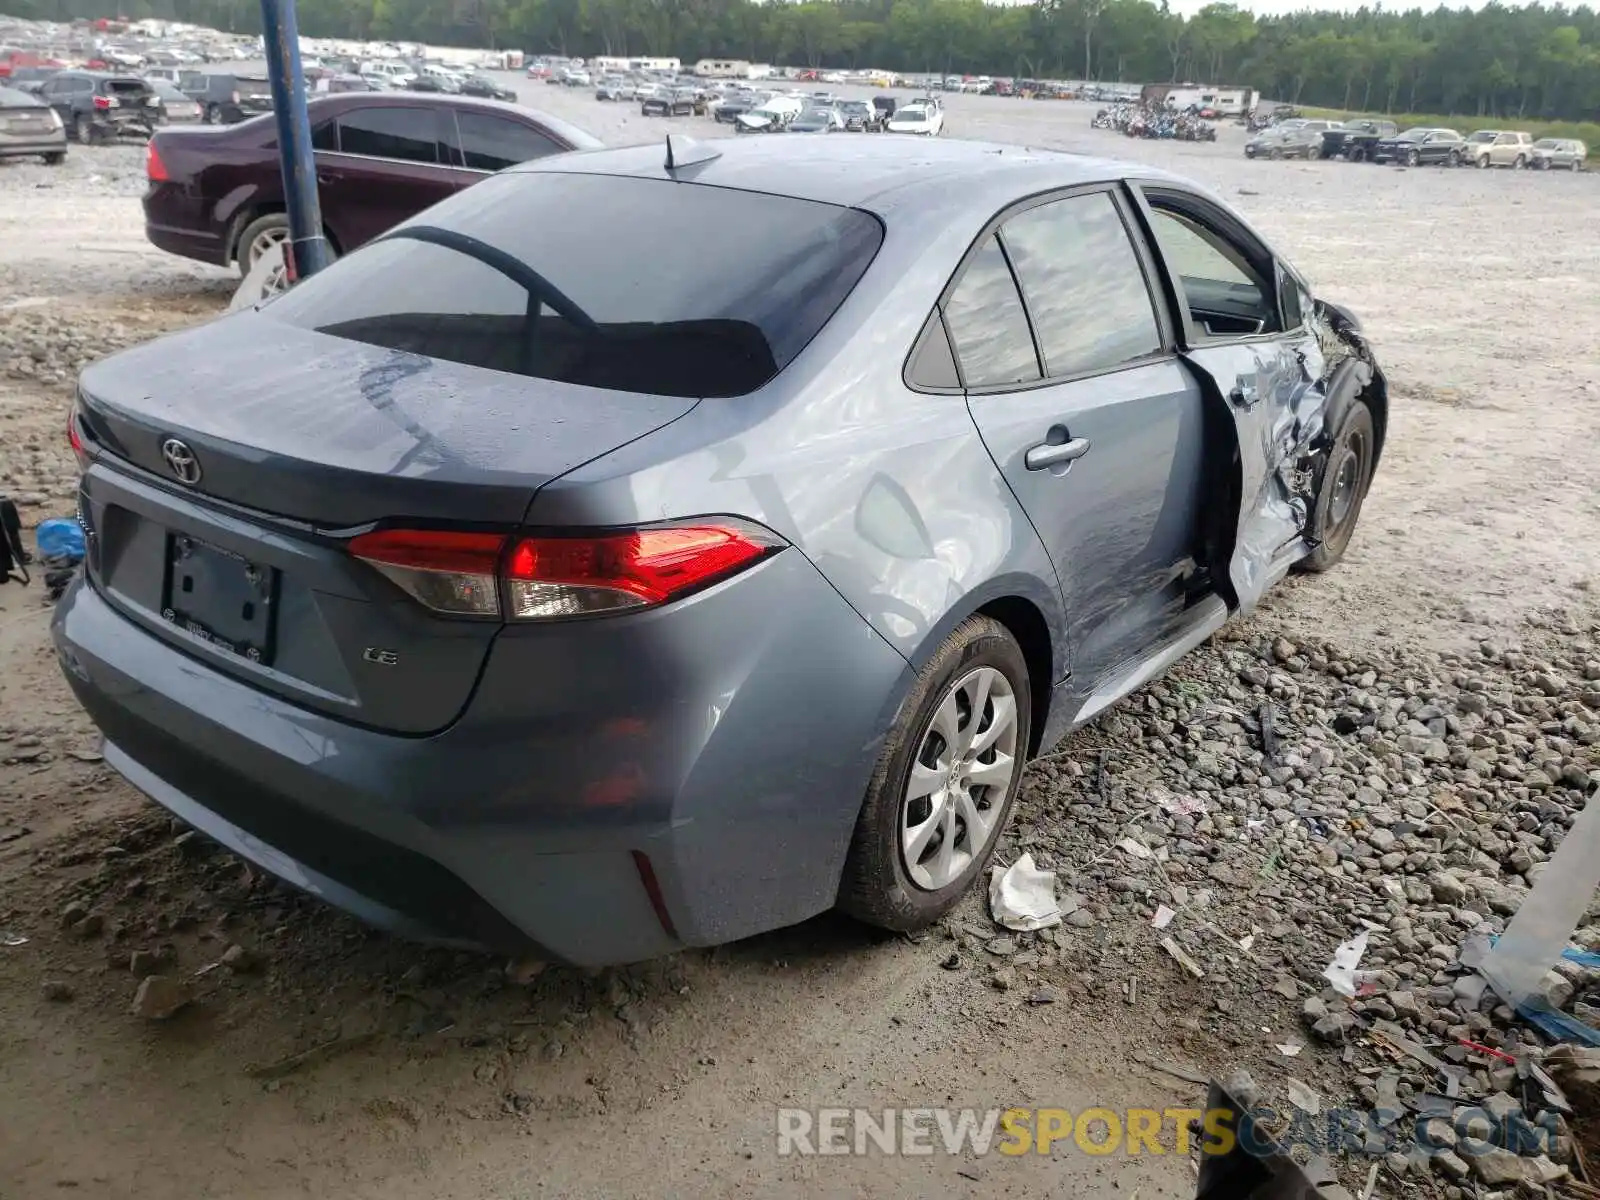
[397, 74]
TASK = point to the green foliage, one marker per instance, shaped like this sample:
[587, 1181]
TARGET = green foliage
[1523, 65]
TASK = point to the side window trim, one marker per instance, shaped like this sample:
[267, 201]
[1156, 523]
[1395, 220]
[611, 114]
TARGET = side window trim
[1196, 208]
[1136, 242]
[1169, 324]
[352, 112]
[991, 233]
[455, 145]
[1027, 316]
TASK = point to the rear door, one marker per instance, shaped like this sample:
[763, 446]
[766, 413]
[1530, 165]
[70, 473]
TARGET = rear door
[1259, 363]
[384, 164]
[1095, 424]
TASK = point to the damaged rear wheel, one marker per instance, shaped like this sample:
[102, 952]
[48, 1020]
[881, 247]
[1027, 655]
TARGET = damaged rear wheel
[1343, 488]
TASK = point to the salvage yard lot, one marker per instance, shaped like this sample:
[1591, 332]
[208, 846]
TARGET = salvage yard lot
[1481, 292]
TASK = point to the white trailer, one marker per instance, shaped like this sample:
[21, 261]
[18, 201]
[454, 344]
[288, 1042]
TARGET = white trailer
[723, 68]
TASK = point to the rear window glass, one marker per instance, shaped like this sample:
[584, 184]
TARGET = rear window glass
[253, 87]
[630, 284]
[11, 98]
[126, 87]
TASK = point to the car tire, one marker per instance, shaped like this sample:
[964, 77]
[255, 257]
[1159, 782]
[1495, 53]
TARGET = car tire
[212, 115]
[1482, 162]
[1519, 163]
[979, 662]
[1354, 156]
[1274, 154]
[55, 159]
[83, 129]
[1346, 476]
[1455, 159]
[1412, 158]
[257, 236]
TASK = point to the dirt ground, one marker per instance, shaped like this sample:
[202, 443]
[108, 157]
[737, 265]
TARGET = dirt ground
[1481, 291]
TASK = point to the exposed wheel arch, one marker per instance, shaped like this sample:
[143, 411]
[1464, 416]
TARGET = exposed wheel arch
[1025, 618]
[1026, 623]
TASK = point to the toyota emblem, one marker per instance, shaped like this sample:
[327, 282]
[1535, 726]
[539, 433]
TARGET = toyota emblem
[181, 461]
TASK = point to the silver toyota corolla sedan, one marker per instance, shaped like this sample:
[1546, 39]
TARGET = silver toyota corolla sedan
[645, 548]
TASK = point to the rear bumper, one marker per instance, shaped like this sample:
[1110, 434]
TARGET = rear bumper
[180, 223]
[122, 124]
[729, 739]
[16, 145]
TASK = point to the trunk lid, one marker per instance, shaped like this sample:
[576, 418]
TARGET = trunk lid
[296, 438]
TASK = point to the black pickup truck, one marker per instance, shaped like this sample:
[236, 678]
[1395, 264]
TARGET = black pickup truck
[1353, 141]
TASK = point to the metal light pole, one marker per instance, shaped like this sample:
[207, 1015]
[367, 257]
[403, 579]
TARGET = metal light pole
[308, 249]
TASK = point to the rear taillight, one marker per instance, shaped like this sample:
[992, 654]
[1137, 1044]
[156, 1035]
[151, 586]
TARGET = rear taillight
[104, 102]
[155, 170]
[448, 572]
[551, 577]
[75, 440]
[573, 576]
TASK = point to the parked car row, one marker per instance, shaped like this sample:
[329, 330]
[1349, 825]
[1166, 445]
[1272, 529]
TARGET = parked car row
[1381, 141]
[768, 110]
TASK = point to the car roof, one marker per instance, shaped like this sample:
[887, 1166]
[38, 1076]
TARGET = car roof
[333, 103]
[875, 174]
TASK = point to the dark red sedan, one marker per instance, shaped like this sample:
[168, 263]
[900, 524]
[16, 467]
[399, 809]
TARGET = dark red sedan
[216, 194]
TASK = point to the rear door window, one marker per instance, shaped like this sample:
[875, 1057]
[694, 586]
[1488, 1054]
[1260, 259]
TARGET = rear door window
[407, 134]
[490, 143]
[651, 286]
[988, 323]
[1084, 286]
[1227, 296]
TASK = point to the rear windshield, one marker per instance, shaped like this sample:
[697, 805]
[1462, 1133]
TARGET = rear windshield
[11, 98]
[252, 87]
[127, 87]
[630, 284]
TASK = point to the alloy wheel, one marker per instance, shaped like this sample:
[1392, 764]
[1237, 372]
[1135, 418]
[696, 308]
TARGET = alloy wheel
[264, 241]
[966, 759]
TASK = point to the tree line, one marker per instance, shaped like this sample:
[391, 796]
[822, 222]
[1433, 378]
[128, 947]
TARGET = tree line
[1532, 62]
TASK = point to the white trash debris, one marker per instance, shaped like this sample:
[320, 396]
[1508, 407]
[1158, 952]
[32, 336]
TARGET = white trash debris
[1163, 917]
[1134, 849]
[1176, 805]
[1022, 897]
[1341, 972]
[1302, 1097]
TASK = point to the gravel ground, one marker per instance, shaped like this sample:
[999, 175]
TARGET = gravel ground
[1433, 704]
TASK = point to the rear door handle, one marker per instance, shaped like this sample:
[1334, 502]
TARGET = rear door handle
[1048, 454]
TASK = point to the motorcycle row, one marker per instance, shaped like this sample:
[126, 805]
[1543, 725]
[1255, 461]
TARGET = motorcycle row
[1148, 121]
